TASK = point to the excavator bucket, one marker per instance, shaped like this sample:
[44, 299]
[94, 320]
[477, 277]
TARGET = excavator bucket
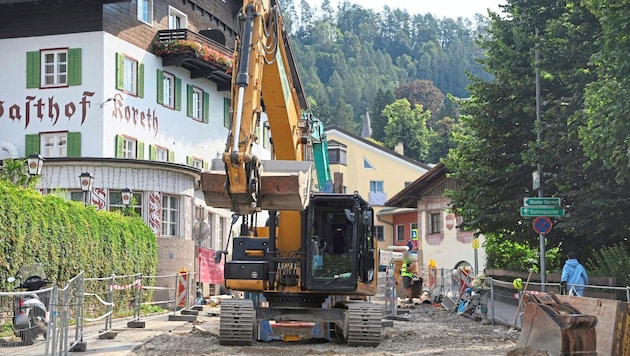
[558, 328]
[284, 185]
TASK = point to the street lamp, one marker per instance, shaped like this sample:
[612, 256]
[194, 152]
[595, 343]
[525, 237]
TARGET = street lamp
[35, 163]
[126, 195]
[86, 181]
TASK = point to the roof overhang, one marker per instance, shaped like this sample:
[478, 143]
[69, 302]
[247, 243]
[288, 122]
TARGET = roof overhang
[408, 197]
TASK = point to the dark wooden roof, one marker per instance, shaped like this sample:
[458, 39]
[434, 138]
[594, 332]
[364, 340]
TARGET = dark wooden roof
[408, 197]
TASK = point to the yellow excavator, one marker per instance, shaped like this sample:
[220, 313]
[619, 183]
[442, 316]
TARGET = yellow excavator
[315, 259]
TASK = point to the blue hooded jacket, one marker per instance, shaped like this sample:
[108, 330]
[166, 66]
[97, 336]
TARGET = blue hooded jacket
[574, 273]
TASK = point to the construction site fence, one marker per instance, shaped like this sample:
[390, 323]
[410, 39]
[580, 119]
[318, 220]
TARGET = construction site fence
[85, 309]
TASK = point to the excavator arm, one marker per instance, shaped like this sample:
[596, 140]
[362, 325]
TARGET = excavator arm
[265, 79]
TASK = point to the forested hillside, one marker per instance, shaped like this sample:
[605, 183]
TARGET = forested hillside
[354, 59]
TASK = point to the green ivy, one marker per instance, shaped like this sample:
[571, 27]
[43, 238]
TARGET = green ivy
[67, 238]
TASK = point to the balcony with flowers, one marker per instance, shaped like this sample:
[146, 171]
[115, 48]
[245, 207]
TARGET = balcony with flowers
[203, 57]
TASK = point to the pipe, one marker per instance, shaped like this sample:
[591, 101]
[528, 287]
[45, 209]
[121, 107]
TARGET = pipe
[10, 148]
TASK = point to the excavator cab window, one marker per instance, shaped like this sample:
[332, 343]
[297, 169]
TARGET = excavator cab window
[331, 244]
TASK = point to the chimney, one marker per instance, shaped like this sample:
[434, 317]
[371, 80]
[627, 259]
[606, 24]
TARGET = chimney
[400, 148]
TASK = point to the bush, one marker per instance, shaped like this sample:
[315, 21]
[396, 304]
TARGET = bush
[506, 254]
[611, 261]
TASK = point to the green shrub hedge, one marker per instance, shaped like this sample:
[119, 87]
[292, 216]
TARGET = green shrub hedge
[67, 238]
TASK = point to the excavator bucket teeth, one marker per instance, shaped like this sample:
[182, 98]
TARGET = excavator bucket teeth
[285, 185]
[213, 185]
[557, 328]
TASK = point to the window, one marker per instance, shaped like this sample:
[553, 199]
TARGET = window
[379, 232]
[434, 223]
[169, 90]
[337, 155]
[198, 103]
[227, 103]
[159, 153]
[376, 186]
[54, 144]
[53, 68]
[400, 232]
[367, 164]
[77, 196]
[145, 11]
[129, 147]
[176, 19]
[266, 135]
[129, 75]
[116, 202]
[170, 218]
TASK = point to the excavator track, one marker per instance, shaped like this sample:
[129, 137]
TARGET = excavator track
[236, 325]
[364, 324]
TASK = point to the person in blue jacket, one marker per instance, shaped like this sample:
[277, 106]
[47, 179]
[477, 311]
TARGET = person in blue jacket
[574, 276]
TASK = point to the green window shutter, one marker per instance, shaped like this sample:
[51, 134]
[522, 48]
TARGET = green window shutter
[33, 69]
[140, 80]
[74, 144]
[226, 112]
[120, 71]
[189, 100]
[74, 66]
[31, 144]
[206, 107]
[120, 146]
[178, 93]
[189, 160]
[160, 87]
[140, 150]
[152, 152]
[205, 165]
[171, 156]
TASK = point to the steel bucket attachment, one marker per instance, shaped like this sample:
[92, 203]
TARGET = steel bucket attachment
[213, 185]
[558, 328]
[285, 185]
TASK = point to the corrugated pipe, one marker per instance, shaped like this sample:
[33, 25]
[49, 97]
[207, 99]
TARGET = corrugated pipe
[11, 148]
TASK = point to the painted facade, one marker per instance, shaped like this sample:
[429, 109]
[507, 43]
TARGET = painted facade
[423, 203]
[376, 172]
[90, 95]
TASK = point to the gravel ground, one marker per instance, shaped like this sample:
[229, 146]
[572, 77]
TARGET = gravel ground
[427, 330]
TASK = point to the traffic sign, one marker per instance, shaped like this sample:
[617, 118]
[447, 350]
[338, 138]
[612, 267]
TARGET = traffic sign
[541, 202]
[542, 225]
[541, 211]
[475, 243]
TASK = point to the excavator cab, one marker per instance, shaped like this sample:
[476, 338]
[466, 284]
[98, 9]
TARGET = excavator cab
[338, 243]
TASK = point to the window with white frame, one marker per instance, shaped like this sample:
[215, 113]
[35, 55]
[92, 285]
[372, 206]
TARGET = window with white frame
[131, 75]
[197, 163]
[54, 68]
[197, 103]
[129, 147]
[116, 202]
[145, 11]
[169, 90]
[435, 223]
[161, 154]
[337, 154]
[376, 186]
[170, 215]
[400, 232]
[176, 19]
[379, 232]
[54, 144]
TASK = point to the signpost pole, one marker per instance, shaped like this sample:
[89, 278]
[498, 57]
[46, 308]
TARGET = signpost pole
[541, 237]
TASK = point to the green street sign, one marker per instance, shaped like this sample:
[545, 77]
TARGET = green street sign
[541, 211]
[536, 202]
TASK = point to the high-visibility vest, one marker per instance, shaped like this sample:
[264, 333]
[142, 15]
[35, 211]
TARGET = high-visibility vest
[404, 272]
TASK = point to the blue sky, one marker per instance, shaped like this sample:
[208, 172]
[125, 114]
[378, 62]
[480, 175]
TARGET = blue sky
[440, 8]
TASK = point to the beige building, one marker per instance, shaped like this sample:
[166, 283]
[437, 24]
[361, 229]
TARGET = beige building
[374, 171]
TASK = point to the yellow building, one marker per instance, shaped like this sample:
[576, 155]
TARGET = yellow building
[376, 172]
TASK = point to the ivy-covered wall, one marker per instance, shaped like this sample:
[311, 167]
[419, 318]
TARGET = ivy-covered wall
[67, 237]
